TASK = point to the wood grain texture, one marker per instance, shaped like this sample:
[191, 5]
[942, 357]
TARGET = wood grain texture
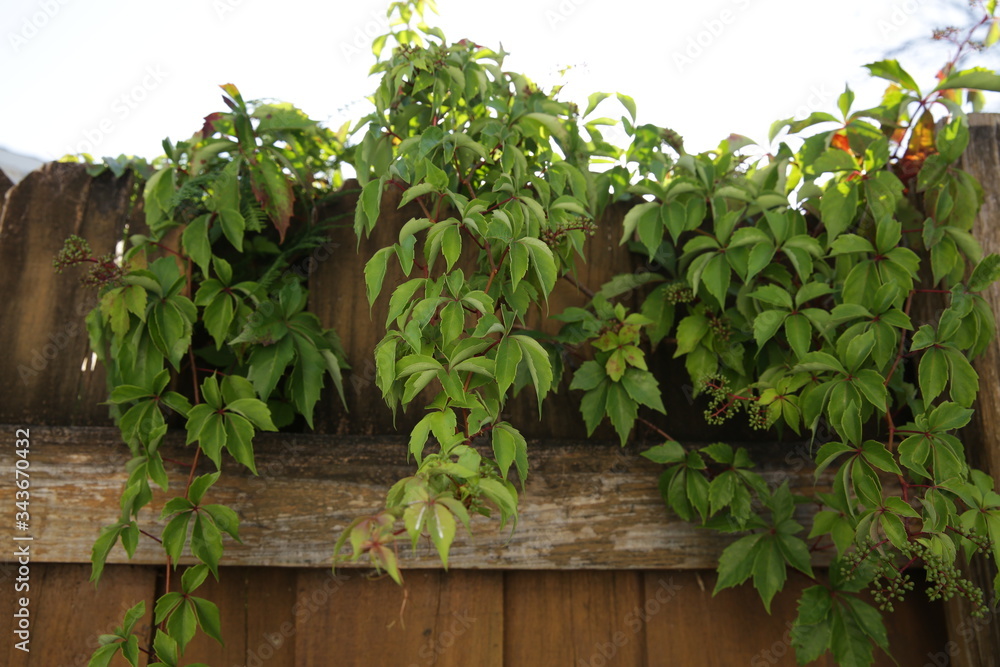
[586, 504]
[978, 641]
[595, 612]
[690, 626]
[43, 334]
[68, 613]
[449, 620]
[5, 185]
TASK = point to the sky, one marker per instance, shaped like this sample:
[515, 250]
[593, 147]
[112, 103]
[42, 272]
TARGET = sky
[114, 76]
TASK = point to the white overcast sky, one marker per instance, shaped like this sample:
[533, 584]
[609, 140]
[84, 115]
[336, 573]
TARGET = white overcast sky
[117, 76]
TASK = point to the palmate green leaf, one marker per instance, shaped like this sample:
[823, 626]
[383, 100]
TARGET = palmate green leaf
[536, 359]
[690, 331]
[641, 386]
[932, 373]
[239, 440]
[542, 263]
[207, 614]
[838, 207]
[765, 325]
[199, 485]
[206, 543]
[233, 226]
[268, 364]
[218, 317]
[306, 380]
[103, 655]
[964, 379]
[811, 631]
[669, 452]
[768, 570]
[716, 277]
[594, 404]
[441, 526]
[255, 411]
[194, 577]
[986, 272]
[375, 269]
[508, 358]
[737, 562]
[102, 547]
[182, 624]
[175, 535]
[978, 78]
[721, 490]
[509, 446]
[848, 642]
[622, 409]
[892, 71]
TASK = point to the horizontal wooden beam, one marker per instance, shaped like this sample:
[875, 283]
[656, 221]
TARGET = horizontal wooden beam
[587, 505]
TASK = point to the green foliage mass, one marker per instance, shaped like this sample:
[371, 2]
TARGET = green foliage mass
[786, 284]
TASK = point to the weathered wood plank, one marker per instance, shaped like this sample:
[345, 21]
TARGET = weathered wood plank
[43, 334]
[573, 618]
[271, 597]
[5, 185]
[687, 625]
[451, 620]
[586, 504]
[67, 613]
[981, 647]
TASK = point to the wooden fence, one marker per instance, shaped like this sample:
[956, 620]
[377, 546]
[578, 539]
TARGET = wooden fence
[597, 573]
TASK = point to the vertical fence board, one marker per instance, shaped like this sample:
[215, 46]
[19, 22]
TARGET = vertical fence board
[978, 640]
[271, 596]
[5, 185]
[230, 594]
[437, 618]
[43, 334]
[67, 613]
[732, 628]
[573, 618]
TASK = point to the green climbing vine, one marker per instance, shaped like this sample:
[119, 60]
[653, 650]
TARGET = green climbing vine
[786, 285]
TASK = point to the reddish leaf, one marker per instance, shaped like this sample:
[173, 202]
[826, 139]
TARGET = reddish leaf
[208, 129]
[840, 141]
[273, 190]
[920, 146]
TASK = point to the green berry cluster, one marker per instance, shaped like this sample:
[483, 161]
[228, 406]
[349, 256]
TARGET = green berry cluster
[720, 327]
[757, 416]
[891, 583]
[678, 292]
[721, 403]
[553, 236]
[104, 272]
